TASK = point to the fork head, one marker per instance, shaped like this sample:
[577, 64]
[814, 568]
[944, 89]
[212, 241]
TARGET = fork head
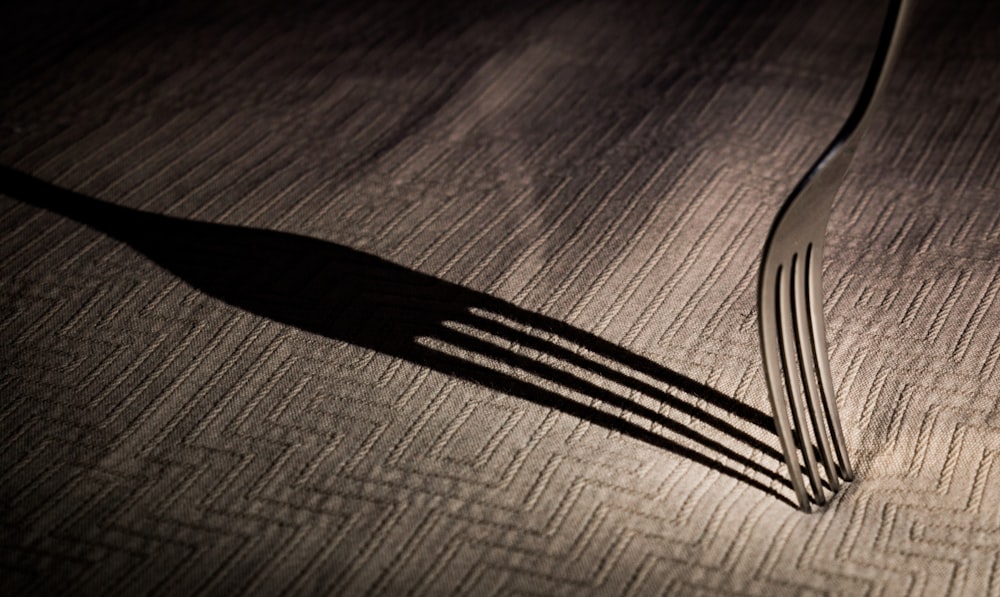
[793, 335]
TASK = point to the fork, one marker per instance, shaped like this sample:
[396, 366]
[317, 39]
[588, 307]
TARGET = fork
[790, 298]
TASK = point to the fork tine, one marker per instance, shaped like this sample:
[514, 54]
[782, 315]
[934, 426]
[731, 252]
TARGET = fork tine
[768, 328]
[805, 347]
[793, 384]
[816, 319]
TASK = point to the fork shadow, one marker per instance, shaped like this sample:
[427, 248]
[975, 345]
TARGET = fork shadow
[347, 295]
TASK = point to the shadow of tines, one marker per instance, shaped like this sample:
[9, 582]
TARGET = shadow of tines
[347, 295]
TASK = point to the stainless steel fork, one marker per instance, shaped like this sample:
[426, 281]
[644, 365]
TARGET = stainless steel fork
[790, 298]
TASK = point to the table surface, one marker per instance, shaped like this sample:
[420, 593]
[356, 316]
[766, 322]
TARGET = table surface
[458, 298]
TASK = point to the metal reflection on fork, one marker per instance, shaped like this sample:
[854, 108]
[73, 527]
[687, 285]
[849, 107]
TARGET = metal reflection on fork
[790, 299]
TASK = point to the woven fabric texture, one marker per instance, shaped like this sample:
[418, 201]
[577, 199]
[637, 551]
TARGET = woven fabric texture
[459, 298]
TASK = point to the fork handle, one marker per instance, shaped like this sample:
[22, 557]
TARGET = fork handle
[889, 43]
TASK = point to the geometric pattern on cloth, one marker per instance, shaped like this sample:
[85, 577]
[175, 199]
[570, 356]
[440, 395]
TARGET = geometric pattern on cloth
[444, 297]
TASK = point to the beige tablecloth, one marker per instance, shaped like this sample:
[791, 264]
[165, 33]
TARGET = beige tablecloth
[504, 338]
